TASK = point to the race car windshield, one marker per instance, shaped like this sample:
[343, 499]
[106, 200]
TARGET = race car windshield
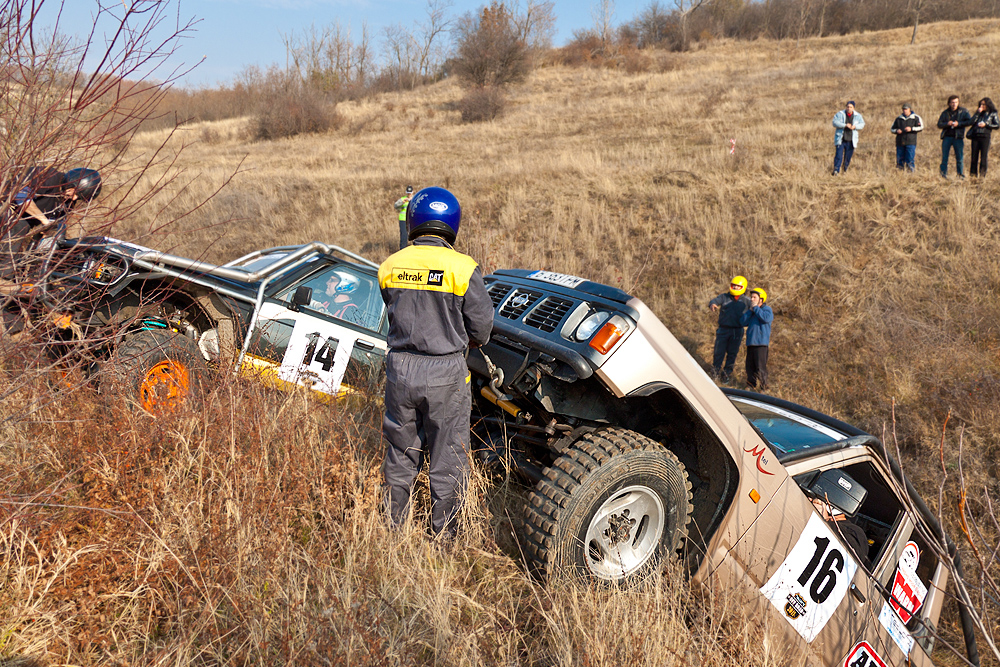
[786, 431]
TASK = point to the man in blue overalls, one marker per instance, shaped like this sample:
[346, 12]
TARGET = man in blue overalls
[438, 308]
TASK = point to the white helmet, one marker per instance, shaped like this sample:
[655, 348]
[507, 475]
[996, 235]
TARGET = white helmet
[348, 282]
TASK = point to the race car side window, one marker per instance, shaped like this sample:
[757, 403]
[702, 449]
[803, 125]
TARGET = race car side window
[879, 516]
[344, 293]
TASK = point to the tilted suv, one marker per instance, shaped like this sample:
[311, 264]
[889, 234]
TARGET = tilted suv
[152, 324]
[631, 452]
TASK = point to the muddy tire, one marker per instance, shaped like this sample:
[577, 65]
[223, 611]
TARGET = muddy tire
[157, 370]
[609, 509]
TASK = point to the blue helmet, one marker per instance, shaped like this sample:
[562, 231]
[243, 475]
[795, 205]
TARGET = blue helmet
[434, 211]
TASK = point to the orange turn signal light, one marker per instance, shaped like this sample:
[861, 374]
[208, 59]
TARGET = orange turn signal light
[607, 337]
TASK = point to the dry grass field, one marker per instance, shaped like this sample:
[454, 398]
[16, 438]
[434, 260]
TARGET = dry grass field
[247, 533]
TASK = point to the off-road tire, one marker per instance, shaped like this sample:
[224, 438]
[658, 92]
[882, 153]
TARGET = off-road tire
[562, 529]
[156, 369]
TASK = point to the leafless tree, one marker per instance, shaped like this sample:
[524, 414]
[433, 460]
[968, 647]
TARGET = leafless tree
[916, 9]
[805, 9]
[432, 31]
[683, 10]
[490, 52]
[651, 24]
[70, 102]
[535, 23]
[401, 56]
[603, 14]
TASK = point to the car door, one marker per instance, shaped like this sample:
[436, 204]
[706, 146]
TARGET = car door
[333, 345]
[878, 618]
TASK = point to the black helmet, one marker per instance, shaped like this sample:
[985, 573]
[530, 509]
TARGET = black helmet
[86, 181]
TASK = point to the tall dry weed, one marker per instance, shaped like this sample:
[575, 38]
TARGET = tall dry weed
[250, 532]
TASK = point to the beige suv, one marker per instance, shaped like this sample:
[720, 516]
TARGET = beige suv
[631, 452]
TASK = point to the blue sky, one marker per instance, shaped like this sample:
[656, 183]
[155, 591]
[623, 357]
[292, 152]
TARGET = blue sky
[232, 34]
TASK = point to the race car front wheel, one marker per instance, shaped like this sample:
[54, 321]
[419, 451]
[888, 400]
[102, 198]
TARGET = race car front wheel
[610, 508]
[157, 369]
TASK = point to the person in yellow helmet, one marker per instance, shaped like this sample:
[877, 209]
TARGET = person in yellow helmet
[757, 320]
[730, 305]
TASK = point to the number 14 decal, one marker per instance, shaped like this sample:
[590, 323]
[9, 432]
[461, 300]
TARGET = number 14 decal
[317, 355]
[324, 354]
[813, 579]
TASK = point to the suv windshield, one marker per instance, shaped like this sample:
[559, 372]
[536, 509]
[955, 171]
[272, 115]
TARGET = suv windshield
[785, 430]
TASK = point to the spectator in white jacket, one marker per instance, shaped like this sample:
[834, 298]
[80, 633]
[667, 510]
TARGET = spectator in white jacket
[845, 138]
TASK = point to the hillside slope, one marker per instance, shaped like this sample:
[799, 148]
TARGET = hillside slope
[883, 283]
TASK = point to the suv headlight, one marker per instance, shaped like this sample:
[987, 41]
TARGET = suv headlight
[590, 324]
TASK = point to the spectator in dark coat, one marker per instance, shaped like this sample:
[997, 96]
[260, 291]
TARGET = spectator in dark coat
[730, 305]
[905, 127]
[953, 122]
[984, 121]
[757, 320]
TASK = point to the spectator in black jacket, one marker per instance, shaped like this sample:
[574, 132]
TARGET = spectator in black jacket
[730, 305]
[984, 121]
[905, 127]
[953, 122]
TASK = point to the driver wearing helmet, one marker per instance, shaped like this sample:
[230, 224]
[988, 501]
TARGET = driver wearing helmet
[338, 299]
[730, 305]
[45, 198]
[438, 308]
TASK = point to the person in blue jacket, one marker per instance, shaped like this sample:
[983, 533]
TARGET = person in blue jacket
[757, 320]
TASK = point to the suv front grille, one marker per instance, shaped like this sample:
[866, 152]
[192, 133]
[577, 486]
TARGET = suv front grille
[497, 292]
[518, 302]
[549, 314]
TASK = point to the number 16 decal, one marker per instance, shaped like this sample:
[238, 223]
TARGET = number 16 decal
[813, 580]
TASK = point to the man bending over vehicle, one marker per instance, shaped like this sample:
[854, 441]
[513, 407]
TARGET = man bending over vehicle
[45, 198]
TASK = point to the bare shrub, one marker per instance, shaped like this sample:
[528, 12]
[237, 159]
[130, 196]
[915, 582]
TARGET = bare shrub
[583, 49]
[288, 106]
[490, 51]
[635, 61]
[482, 104]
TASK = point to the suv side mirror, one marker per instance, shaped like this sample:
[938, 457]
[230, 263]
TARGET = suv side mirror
[837, 488]
[302, 297]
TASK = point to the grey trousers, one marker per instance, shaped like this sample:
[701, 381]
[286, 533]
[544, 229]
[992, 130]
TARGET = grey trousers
[427, 413]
